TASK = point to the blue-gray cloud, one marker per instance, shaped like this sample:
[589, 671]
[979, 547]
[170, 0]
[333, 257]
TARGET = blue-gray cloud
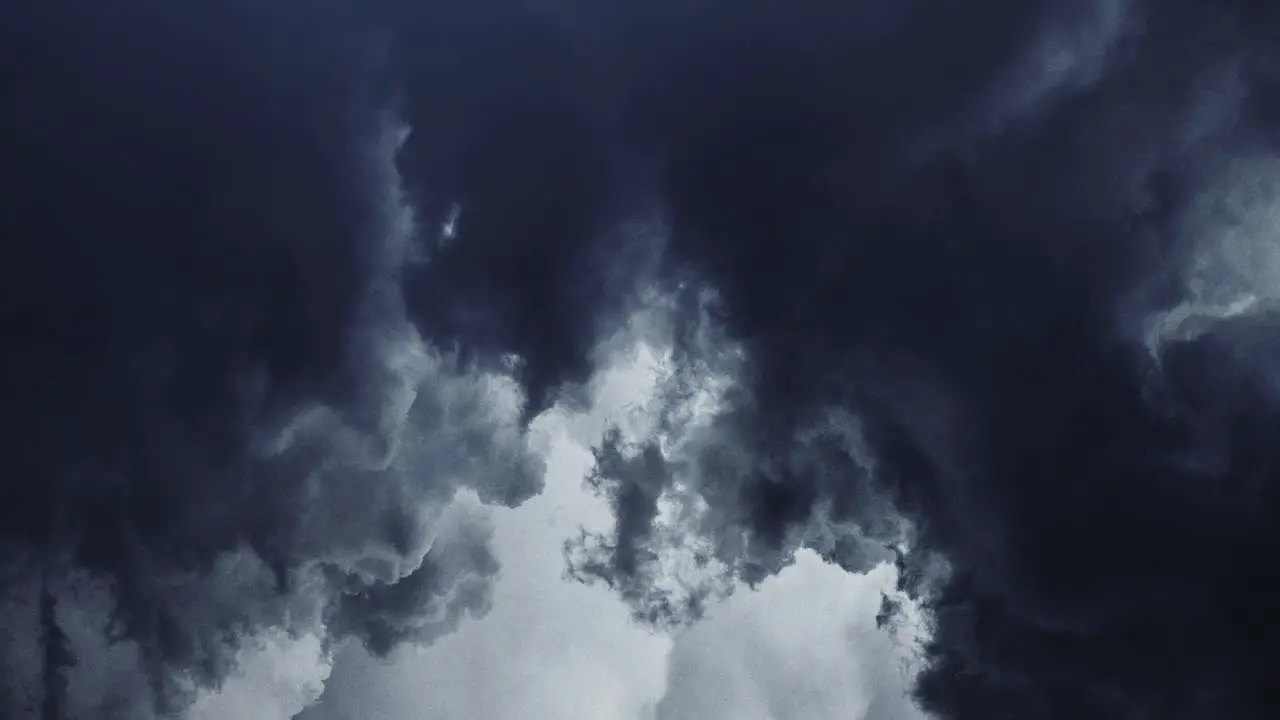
[992, 287]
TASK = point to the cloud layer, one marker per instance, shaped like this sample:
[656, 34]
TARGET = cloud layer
[225, 420]
[992, 291]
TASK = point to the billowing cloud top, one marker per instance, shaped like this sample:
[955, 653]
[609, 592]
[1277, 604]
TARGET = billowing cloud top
[993, 289]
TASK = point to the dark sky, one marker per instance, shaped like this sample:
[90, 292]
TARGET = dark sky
[997, 288]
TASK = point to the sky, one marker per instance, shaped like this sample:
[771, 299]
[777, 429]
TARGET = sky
[553, 648]
[804, 645]
[664, 359]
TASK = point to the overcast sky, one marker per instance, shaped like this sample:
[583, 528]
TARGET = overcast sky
[803, 647]
[473, 359]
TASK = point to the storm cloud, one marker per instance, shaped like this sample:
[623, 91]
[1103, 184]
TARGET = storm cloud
[224, 417]
[1015, 322]
[989, 291]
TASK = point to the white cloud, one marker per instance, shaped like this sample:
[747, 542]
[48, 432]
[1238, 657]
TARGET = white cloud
[278, 676]
[804, 646]
[549, 648]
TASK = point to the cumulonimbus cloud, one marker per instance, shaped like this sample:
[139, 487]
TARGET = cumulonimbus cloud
[954, 352]
[230, 426]
[986, 289]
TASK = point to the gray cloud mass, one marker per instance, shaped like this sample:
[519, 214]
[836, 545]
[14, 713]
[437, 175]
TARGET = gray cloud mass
[988, 293]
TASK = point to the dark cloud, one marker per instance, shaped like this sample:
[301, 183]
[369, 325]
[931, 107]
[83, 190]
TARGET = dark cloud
[994, 287]
[1023, 305]
[222, 413]
[452, 580]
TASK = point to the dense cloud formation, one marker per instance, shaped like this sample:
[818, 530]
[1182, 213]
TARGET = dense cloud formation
[1015, 278]
[225, 422]
[804, 647]
[991, 288]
